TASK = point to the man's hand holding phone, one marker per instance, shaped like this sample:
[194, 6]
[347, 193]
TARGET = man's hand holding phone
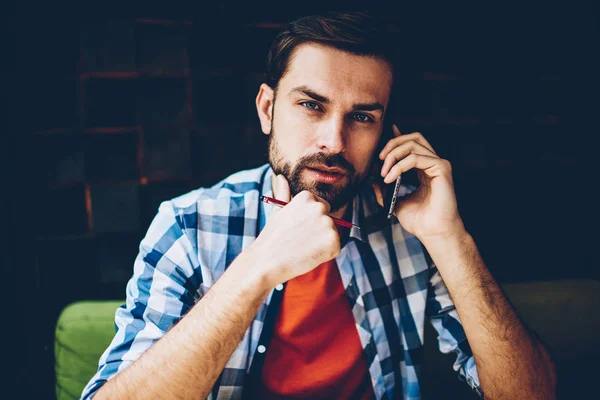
[431, 211]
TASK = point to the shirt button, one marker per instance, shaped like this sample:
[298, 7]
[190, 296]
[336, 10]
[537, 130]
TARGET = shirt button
[279, 287]
[261, 349]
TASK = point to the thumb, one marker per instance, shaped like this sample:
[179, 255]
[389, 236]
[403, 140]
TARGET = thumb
[281, 189]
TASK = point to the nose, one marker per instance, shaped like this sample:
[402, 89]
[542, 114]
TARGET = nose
[331, 136]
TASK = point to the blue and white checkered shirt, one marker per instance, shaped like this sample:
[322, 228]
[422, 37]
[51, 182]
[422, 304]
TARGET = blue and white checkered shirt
[387, 277]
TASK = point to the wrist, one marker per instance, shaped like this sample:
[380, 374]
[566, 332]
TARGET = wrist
[452, 234]
[256, 269]
[447, 245]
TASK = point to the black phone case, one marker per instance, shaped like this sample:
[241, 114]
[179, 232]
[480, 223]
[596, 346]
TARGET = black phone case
[390, 190]
[390, 200]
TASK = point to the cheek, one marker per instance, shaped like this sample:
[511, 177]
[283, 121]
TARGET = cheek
[362, 153]
[292, 130]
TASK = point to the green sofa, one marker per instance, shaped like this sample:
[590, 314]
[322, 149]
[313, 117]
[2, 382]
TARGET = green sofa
[564, 313]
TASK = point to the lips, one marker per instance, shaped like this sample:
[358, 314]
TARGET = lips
[328, 170]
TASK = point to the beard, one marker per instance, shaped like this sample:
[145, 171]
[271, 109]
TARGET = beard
[337, 194]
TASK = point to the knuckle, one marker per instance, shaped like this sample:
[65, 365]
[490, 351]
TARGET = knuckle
[322, 207]
[335, 245]
[304, 195]
[332, 236]
[328, 226]
[336, 240]
[332, 227]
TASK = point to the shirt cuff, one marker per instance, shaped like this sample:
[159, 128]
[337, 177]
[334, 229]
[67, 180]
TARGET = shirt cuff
[468, 372]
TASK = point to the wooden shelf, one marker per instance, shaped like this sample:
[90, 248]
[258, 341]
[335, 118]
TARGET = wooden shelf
[164, 21]
[111, 130]
[67, 236]
[145, 180]
[57, 131]
[132, 75]
[267, 25]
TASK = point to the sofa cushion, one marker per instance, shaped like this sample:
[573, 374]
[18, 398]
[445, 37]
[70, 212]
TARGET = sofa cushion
[563, 313]
[84, 330]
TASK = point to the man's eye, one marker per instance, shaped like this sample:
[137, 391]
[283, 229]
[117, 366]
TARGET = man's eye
[362, 117]
[311, 105]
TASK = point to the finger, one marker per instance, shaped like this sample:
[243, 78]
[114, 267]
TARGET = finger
[395, 130]
[325, 202]
[308, 197]
[378, 194]
[281, 189]
[430, 166]
[402, 151]
[398, 140]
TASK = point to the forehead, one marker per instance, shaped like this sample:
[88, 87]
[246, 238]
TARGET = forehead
[338, 75]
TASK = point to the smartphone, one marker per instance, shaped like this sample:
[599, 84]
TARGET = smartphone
[390, 190]
[390, 203]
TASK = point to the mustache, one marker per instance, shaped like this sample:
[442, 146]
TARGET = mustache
[329, 160]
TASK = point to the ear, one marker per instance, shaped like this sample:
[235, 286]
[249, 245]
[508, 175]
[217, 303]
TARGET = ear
[264, 106]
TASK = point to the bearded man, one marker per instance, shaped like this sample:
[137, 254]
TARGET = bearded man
[232, 297]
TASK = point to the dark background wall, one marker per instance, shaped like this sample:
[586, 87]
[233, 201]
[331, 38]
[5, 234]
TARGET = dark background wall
[118, 110]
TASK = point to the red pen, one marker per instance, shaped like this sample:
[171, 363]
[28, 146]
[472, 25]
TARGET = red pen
[279, 203]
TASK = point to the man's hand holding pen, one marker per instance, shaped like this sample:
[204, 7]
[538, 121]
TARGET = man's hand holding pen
[298, 237]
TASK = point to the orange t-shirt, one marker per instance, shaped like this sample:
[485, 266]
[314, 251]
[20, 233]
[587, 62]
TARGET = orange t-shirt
[315, 351]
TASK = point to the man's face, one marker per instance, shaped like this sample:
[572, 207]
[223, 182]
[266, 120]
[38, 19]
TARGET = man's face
[329, 112]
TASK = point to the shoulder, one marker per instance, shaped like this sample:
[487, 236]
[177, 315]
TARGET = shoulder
[239, 184]
[181, 216]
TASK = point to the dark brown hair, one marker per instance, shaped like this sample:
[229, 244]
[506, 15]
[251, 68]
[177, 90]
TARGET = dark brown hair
[356, 32]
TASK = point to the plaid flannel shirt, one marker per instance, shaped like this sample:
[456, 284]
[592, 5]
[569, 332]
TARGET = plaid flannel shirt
[390, 284]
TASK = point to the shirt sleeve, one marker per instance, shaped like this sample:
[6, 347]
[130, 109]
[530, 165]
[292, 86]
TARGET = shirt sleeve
[441, 312]
[165, 284]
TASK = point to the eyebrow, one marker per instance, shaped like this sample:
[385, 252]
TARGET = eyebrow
[303, 89]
